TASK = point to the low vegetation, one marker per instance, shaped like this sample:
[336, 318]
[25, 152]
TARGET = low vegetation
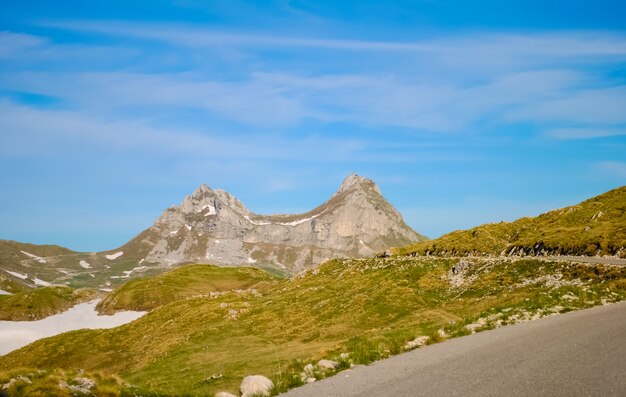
[61, 383]
[351, 311]
[594, 227]
[35, 304]
[183, 283]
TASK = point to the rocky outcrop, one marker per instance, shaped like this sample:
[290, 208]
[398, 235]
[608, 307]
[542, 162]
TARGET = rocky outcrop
[212, 226]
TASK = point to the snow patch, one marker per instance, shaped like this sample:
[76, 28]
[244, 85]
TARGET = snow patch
[16, 334]
[3, 292]
[127, 273]
[106, 289]
[18, 275]
[211, 210]
[41, 282]
[256, 223]
[292, 223]
[37, 258]
[250, 260]
[84, 264]
[188, 227]
[115, 256]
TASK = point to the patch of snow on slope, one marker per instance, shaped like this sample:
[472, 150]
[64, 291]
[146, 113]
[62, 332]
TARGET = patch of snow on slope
[211, 210]
[16, 334]
[41, 282]
[188, 227]
[3, 292]
[18, 275]
[115, 256]
[256, 223]
[84, 264]
[250, 260]
[37, 258]
[292, 223]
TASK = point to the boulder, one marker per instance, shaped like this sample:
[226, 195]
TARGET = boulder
[224, 394]
[256, 385]
[327, 364]
[417, 342]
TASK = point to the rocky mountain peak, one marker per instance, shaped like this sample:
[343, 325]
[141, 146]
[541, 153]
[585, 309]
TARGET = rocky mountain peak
[355, 182]
[212, 226]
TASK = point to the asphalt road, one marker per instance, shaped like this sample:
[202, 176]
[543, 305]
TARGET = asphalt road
[580, 353]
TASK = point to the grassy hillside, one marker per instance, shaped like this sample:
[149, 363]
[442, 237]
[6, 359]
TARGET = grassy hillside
[35, 304]
[183, 283]
[594, 227]
[367, 308]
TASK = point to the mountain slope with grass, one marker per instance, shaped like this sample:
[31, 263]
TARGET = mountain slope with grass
[594, 227]
[351, 311]
[184, 283]
[35, 304]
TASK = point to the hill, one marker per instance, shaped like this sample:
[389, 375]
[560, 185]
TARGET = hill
[594, 227]
[183, 283]
[35, 304]
[353, 311]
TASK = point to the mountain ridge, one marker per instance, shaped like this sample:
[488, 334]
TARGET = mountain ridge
[214, 227]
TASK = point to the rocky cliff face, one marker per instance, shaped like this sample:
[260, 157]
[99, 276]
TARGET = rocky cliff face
[212, 226]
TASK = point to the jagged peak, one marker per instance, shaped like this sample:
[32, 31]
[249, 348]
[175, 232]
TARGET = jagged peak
[202, 190]
[355, 182]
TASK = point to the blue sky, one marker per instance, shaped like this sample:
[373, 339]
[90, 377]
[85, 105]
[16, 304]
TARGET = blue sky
[463, 112]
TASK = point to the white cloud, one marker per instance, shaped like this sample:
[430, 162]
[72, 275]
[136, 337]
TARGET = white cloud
[11, 44]
[584, 133]
[613, 168]
[448, 84]
[602, 106]
[557, 44]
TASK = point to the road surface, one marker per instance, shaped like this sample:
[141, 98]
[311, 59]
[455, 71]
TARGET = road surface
[580, 353]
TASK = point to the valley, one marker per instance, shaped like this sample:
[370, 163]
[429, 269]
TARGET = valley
[207, 327]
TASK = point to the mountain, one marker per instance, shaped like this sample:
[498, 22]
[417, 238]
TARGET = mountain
[595, 227]
[214, 227]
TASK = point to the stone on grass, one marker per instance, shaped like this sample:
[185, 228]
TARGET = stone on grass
[327, 364]
[256, 385]
[417, 342]
[224, 394]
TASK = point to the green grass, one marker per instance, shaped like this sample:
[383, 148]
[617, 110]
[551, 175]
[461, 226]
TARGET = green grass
[366, 308]
[594, 227]
[42, 302]
[183, 283]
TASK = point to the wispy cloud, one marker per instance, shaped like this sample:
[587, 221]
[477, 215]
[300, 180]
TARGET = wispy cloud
[12, 44]
[448, 84]
[557, 44]
[613, 168]
[31, 132]
[584, 133]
